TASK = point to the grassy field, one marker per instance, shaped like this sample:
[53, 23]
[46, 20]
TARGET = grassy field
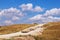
[14, 28]
[51, 33]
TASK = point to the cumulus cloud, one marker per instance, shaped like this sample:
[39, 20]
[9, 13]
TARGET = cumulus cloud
[11, 12]
[38, 9]
[15, 18]
[48, 16]
[53, 12]
[26, 6]
[15, 14]
[8, 22]
[29, 7]
[37, 17]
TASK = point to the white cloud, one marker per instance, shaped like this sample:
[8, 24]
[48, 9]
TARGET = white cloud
[26, 6]
[15, 18]
[53, 12]
[21, 14]
[10, 12]
[37, 17]
[14, 10]
[48, 16]
[8, 22]
[14, 14]
[29, 7]
[38, 9]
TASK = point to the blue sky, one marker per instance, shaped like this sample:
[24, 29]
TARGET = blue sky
[29, 11]
[44, 3]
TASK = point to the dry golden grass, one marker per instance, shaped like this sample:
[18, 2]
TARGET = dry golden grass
[14, 28]
[52, 32]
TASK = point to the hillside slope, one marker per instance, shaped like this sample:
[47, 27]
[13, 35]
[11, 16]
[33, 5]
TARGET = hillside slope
[34, 31]
[14, 28]
[52, 31]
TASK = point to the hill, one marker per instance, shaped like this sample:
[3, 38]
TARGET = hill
[14, 28]
[52, 32]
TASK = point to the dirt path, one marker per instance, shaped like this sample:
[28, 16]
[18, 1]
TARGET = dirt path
[32, 31]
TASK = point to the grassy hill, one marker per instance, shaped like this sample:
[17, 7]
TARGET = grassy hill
[51, 33]
[14, 28]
